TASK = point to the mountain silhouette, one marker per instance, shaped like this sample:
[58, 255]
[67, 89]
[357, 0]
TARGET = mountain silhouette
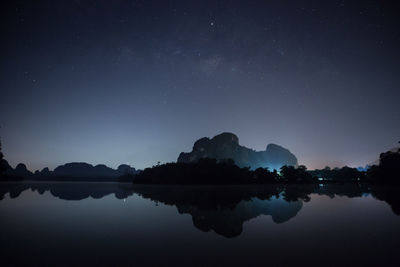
[226, 146]
[75, 171]
[21, 171]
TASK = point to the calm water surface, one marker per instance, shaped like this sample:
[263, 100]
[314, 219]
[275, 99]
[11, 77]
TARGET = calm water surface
[53, 224]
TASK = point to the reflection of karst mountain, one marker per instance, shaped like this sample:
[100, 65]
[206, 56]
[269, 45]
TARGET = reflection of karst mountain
[224, 209]
[226, 145]
[229, 222]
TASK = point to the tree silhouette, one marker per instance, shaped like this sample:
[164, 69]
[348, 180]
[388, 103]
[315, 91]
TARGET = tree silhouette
[292, 174]
[3, 165]
[1, 154]
[388, 169]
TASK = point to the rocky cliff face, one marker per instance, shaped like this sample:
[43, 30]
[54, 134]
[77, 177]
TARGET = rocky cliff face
[226, 145]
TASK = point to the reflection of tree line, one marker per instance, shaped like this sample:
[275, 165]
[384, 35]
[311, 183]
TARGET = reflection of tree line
[222, 209]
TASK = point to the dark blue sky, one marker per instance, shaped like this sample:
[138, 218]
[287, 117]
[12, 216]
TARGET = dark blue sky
[139, 81]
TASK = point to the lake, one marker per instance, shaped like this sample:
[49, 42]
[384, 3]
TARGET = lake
[117, 224]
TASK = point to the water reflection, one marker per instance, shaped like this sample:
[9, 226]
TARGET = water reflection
[222, 209]
[68, 190]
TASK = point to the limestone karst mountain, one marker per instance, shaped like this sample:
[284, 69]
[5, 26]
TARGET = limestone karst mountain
[226, 145]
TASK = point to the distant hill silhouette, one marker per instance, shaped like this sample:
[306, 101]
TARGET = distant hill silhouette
[75, 171]
[81, 169]
[21, 171]
[226, 146]
[5, 168]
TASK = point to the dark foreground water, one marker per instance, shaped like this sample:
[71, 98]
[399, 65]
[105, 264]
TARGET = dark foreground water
[53, 224]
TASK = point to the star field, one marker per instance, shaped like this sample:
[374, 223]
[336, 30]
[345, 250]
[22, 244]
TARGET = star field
[139, 81]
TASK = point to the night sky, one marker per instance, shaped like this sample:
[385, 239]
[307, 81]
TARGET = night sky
[139, 81]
